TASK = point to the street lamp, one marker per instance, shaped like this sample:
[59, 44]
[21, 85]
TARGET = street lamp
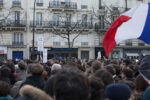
[32, 55]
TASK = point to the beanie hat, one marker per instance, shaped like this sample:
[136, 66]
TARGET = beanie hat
[117, 91]
[144, 68]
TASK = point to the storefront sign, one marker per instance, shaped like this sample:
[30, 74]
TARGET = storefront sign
[3, 50]
[99, 55]
[40, 42]
[44, 55]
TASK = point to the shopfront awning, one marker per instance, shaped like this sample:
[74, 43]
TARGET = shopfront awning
[132, 54]
[144, 54]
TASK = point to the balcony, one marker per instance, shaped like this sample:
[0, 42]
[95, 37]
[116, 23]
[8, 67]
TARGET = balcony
[56, 44]
[102, 10]
[84, 43]
[1, 4]
[63, 5]
[128, 43]
[101, 7]
[17, 43]
[84, 6]
[16, 4]
[141, 44]
[15, 23]
[60, 24]
[101, 26]
[66, 43]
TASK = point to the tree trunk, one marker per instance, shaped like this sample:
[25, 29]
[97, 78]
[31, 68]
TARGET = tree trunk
[69, 45]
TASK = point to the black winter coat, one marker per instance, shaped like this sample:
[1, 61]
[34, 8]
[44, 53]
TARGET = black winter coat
[35, 80]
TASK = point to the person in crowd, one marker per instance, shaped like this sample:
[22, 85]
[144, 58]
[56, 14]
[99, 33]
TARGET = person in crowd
[127, 74]
[105, 76]
[55, 68]
[5, 91]
[5, 74]
[112, 70]
[36, 78]
[118, 91]
[22, 74]
[29, 92]
[141, 86]
[96, 88]
[125, 63]
[69, 85]
[12, 74]
[96, 65]
[132, 87]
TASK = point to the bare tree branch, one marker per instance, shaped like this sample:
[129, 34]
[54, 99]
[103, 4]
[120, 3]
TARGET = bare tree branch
[74, 39]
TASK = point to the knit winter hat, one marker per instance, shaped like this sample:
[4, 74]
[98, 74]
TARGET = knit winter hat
[117, 91]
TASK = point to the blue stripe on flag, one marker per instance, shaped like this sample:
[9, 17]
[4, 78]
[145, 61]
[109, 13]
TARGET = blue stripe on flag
[145, 36]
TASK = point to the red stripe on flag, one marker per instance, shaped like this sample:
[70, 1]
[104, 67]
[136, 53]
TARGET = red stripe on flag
[109, 39]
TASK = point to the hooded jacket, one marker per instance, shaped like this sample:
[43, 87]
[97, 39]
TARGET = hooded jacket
[29, 92]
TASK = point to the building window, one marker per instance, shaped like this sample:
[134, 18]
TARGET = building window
[129, 43]
[101, 22]
[68, 3]
[68, 19]
[38, 18]
[39, 2]
[56, 40]
[56, 19]
[100, 4]
[17, 17]
[18, 39]
[84, 54]
[84, 4]
[16, 3]
[1, 3]
[84, 20]
[84, 40]
[56, 3]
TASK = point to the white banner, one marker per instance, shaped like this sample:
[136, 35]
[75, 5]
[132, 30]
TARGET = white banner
[99, 55]
[40, 42]
[44, 55]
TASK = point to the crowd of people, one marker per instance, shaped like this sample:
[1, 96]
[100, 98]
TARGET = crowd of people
[99, 79]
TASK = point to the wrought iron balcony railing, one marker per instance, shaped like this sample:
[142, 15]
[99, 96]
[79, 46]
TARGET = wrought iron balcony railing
[62, 5]
[17, 43]
[101, 26]
[101, 7]
[60, 24]
[14, 23]
[84, 43]
[56, 43]
[128, 43]
[141, 44]
[16, 4]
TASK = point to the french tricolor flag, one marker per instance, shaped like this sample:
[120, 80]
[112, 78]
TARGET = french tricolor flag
[133, 24]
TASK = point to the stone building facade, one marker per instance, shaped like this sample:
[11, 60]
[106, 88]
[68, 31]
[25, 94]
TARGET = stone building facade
[86, 22]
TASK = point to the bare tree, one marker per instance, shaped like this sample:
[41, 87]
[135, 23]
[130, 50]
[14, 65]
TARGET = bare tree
[69, 27]
[4, 15]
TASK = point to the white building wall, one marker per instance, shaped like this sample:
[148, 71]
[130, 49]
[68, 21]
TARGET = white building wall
[27, 14]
